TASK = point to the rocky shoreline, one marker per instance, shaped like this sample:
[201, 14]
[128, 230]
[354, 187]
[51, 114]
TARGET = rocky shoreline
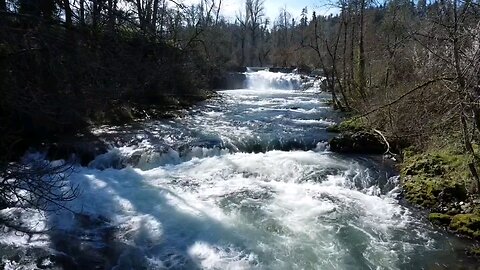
[84, 147]
[436, 181]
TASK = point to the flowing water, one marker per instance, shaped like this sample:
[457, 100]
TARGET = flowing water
[244, 181]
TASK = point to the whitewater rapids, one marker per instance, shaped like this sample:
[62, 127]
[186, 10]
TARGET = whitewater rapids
[245, 181]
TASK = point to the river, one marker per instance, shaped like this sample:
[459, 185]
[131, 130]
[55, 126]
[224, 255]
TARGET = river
[243, 181]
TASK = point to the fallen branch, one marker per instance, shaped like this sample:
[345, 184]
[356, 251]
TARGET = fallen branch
[385, 140]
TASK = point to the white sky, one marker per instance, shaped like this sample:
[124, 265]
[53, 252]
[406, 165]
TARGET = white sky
[273, 7]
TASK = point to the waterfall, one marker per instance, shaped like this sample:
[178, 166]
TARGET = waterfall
[265, 80]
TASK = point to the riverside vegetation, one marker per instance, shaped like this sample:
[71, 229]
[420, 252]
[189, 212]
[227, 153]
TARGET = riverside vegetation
[435, 177]
[409, 73]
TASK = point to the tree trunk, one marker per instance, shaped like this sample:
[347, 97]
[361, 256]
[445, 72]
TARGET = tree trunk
[97, 9]
[469, 147]
[141, 17]
[162, 19]
[155, 17]
[111, 15]
[463, 95]
[82, 12]
[361, 52]
[242, 59]
[68, 13]
[352, 53]
[344, 62]
[253, 47]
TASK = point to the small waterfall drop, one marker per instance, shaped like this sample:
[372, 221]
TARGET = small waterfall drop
[263, 79]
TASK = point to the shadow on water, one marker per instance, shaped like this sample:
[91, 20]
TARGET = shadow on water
[162, 237]
[132, 220]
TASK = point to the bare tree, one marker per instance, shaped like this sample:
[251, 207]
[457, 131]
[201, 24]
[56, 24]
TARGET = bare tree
[38, 185]
[255, 14]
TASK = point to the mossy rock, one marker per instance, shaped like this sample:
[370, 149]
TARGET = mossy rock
[440, 219]
[435, 178]
[358, 143]
[426, 165]
[474, 251]
[350, 125]
[422, 191]
[435, 163]
[467, 224]
[431, 191]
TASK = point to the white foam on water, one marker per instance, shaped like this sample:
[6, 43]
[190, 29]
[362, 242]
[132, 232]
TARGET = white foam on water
[234, 211]
[313, 122]
[214, 257]
[264, 79]
[32, 219]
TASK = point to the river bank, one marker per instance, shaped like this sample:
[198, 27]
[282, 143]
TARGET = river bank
[435, 179]
[83, 146]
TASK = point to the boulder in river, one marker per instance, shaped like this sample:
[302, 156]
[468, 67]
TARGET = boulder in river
[362, 142]
[84, 151]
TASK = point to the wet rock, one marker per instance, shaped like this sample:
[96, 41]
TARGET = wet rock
[121, 115]
[45, 262]
[440, 219]
[358, 143]
[82, 151]
[237, 69]
[230, 80]
[281, 69]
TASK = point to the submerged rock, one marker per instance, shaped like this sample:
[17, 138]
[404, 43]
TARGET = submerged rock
[82, 151]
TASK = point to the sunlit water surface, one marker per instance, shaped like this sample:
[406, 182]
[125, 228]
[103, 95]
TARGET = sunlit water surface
[244, 181]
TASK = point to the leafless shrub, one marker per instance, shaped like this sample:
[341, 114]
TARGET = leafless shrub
[35, 185]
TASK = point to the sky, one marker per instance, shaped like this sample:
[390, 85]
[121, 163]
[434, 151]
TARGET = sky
[272, 7]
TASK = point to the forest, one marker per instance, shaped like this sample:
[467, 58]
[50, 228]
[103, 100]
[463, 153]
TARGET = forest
[407, 70]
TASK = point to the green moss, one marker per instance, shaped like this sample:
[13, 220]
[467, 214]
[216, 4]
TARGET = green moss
[475, 251]
[439, 218]
[409, 152]
[434, 177]
[423, 191]
[350, 125]
[468, 224]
